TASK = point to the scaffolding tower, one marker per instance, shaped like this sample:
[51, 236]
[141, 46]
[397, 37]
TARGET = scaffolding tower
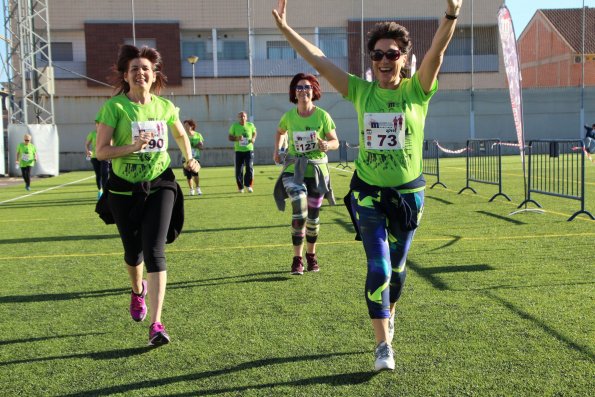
[28, 63]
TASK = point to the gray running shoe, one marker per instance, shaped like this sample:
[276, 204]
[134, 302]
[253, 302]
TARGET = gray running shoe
[384, 357]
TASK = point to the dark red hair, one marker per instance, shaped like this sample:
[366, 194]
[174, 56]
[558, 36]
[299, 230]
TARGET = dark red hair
[191, 123]
[126, 54]
[316, 94]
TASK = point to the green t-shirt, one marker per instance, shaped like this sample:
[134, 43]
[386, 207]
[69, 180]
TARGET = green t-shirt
[92, 136]
[246, 131]
[194, 141]
[128, 118]
[392, 158]
[303, 133]
[27, 153]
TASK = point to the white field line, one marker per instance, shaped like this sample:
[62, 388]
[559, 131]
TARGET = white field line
[46, 190]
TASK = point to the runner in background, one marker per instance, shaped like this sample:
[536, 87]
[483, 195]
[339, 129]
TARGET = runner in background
[26, 158]
[243, 134]
[101, 168]
[197, 143]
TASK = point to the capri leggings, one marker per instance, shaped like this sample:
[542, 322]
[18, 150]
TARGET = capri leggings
[146, 239]
[386, 251]
[306, 201]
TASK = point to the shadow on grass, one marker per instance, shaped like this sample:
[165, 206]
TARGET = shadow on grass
[503, 218]
[49, 239]
[438, 199]
[552, 332]
[43, 338]
[455, 239]
[430, 273]
[106, 355]
[349, 379]
[242, 278]
[343, 379]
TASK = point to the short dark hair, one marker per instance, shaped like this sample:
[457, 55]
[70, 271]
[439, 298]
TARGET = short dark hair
[126, 54]
[191, 123]
[316, 93]
[391, 30]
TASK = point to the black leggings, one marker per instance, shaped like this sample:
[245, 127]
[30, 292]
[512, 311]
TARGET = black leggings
[244, 159]
[26, 171]
[101, 169]
[146, 239]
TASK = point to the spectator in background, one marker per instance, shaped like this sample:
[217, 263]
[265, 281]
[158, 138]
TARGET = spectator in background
[243, 134]
[26, 158]
[197, 143]
[101, 168]
[590, 138]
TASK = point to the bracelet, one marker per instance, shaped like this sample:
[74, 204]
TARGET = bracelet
[450, 17]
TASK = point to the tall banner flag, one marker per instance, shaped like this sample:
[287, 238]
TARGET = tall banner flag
[511, 63]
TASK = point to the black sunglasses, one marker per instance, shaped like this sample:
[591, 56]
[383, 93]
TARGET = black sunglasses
[391, 55]
[303, 87]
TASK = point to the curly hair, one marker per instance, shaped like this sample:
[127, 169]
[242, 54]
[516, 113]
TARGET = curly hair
[316, 93]
[126, 54]
[394, 31]
[191, 123]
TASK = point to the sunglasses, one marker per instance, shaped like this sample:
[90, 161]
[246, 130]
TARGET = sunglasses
[391, 55]
[306, 87]
[27, 140]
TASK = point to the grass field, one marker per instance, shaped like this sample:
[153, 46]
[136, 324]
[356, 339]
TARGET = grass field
[494, 305]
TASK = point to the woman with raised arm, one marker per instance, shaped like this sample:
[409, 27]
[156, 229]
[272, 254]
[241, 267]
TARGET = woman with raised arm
[387, 190]
[142, 197]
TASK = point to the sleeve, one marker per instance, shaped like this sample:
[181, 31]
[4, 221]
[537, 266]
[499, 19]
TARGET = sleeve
[283, 123]
[231, 129]
[107, 115]
[327, 124]
[415, 85]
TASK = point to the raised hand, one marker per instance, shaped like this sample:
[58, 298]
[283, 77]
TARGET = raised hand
[453, 6]
[280, 14]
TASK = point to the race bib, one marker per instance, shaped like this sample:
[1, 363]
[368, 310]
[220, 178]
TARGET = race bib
[244, 141]
[25, 157]
[158, 129]
[384, 131]
[305, 141]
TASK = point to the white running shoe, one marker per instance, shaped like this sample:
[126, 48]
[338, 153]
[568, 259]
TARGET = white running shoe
[192, 192]
[198, 191]
[250, 190]
[384, 357]
[240, 190]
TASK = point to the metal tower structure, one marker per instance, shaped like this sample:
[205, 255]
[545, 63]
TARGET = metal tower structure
[29, 62]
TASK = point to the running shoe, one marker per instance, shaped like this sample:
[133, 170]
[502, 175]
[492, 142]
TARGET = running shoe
[312, 263]
[240, 190]
[391, 327]
[250, 190]
[157, 335]
[384, 357]
[198, 191]
[28, 188]
[138, 308]
[297, 267]
[192, 192]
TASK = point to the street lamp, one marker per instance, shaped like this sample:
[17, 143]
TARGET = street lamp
[192, 59]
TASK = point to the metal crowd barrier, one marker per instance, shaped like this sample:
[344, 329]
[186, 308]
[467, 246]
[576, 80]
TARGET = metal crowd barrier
[484, 164]
[431, 161]
[343, 162]
[557, 168]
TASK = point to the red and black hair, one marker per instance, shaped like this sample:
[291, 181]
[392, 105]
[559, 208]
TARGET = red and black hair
[316, 93]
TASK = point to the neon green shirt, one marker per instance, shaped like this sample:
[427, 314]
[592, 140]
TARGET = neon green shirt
[303, 133]
[128, 118]
[194, 141]
[27, 153]
[407, 106]
[92, 137]
[246, 131]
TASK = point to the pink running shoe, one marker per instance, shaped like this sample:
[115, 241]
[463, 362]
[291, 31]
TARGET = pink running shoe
[312, 260]
[157, 335]
[138, 308]
[297, 266]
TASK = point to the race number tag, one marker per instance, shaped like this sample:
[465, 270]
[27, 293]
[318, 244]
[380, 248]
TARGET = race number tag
[305, 141]
[25, 157]
[158, 129]
[244, 141]
[384, 131]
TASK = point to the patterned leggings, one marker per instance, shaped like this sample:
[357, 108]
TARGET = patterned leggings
[386, 251]
[306, 201]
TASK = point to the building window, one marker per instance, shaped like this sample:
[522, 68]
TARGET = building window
[151, 43]
[233, 50]
[198, 48]
[61, 52]
[333, 42]
[485, 41]
[280, 50]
